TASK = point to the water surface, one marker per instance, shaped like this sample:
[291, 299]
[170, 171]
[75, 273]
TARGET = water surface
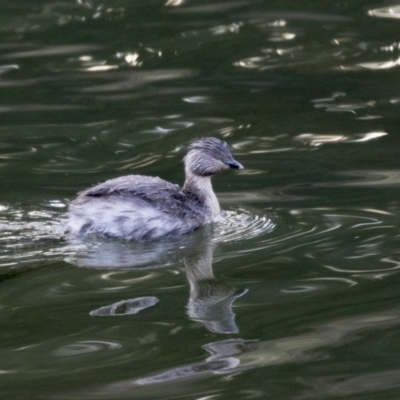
[295, 293]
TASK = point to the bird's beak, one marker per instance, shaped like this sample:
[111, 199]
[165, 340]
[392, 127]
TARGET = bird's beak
[234, 164]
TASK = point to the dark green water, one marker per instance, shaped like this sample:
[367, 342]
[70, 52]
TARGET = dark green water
[296, 294]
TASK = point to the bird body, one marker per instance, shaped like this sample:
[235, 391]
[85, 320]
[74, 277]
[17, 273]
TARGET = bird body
[144, 208]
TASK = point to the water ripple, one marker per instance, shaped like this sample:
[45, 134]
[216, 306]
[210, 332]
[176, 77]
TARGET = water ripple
[28, 237]
[243, 224]
[336, 239]
[85, 347]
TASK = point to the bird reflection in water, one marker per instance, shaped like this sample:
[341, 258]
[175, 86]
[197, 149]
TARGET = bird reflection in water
[210, 301]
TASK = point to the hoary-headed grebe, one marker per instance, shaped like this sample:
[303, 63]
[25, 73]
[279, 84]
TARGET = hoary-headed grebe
[144, 208]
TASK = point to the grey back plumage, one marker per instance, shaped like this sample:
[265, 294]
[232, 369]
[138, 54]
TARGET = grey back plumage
[156, 192]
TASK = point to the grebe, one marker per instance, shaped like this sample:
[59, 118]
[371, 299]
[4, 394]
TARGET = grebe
[144, 208]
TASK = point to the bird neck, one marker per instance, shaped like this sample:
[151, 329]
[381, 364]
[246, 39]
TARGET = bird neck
[201, 187]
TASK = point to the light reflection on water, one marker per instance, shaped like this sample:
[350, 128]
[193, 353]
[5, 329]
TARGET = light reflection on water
[336, 239]
[237, 355]
[332, 238]
[386, 12]
[211, 301]
[305, 266]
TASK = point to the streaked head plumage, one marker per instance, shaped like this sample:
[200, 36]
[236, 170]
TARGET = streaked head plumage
[208, 156]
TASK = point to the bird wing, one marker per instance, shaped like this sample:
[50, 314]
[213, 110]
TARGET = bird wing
[133, 184]
[158, 193]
